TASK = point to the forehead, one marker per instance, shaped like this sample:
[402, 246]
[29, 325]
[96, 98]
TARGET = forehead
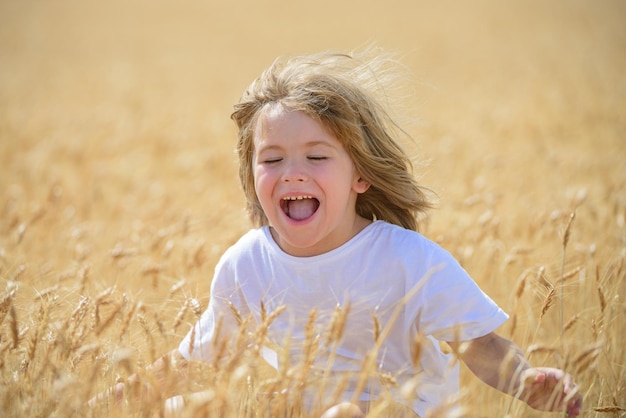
[279, 123]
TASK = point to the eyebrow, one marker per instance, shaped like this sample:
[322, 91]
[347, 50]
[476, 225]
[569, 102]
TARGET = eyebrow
[309, 144]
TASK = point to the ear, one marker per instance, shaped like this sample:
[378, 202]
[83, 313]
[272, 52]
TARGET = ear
[361, 185]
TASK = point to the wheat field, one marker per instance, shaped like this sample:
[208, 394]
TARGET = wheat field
[119, 190]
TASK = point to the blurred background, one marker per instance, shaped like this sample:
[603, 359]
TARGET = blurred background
[494, 82]
[127, 103]
[116, 148]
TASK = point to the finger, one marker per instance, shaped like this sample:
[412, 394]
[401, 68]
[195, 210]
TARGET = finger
[575, 405]
[533, 377]
[570, 390]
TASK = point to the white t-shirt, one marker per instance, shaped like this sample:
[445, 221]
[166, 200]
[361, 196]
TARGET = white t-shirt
[408, 283]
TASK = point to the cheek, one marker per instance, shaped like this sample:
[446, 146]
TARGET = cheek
[262, 183]
[256, 178]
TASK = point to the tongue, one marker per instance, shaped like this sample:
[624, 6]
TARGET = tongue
[302, 209]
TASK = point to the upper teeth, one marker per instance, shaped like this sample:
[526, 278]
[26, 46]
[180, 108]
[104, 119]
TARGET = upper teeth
[297, 197]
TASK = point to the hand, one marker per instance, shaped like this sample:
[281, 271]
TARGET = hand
[549, 389]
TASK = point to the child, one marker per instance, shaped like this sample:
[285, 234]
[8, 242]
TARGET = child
[337, 206]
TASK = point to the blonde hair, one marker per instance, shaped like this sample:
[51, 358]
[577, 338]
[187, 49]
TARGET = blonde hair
[339, 90]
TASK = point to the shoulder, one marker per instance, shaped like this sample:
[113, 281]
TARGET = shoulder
[246, 258]
[248, 246]
[252, 238]
[402, 240]
[414, 251]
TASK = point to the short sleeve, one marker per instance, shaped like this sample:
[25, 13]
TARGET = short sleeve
[453, 307]
[219, 322]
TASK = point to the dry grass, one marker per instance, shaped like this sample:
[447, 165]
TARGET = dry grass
[118, 187]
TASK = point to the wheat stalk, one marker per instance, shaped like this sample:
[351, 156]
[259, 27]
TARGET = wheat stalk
[587, 357]
[180, 315]
[128, 319]
[565, 241]
[15, 334]
[146, 329]
[5, 305]
[571, 322]
[548, 302]
[104, 325]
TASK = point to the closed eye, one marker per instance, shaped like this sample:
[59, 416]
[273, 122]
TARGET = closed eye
[270, 161]
[317, 158]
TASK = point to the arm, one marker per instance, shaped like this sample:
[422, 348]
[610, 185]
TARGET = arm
[501, 364]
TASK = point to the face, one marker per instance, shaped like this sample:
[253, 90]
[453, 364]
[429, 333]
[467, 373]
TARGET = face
[306, 183]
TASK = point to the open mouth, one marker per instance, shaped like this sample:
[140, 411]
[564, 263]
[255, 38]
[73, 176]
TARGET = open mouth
[299, 208]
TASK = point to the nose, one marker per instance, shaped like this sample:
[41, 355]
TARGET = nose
[294, 172]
